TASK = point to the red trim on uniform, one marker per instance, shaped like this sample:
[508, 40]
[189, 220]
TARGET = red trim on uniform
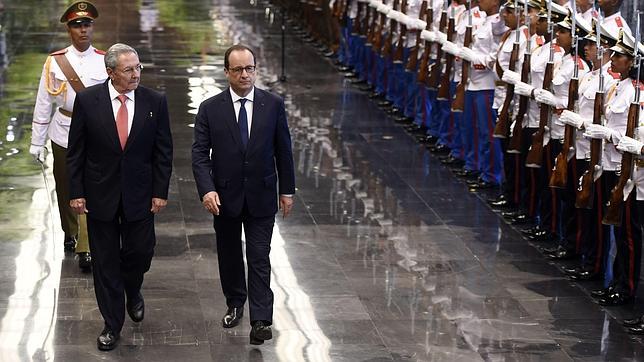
[540, 41]
[580, 62]
[600, 235]
[490, 133]
[477, 14]
[98, 51]
[631, 246]
[526, 32]
[423, 101]
[478, 66]
[59, 52]
[619, 23]
[557, 48]
[475, 133]
[533, 192]
[573, 172]
[613, 74]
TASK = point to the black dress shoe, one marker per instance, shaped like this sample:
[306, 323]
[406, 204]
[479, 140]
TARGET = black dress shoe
[260, 332]
[467, 174]
[541, 235]
[366, 88]
[85, 262]
[615, 298]
[440, 149]
[531, 231]
[394, 111]
[561, 253]
[571, 270]
[375, 95]
[452, 161]
[136, 308]
[637, 330]
[384, 103]
[403, 120]
[358, 81]
[633, 322]
[69, 243]
[107, 340]
[520, 219]
[584, 276]
[481, 185]
[344, 68]
[601, 293]
[232, 317]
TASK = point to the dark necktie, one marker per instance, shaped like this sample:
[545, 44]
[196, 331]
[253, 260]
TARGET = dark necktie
[243, 122]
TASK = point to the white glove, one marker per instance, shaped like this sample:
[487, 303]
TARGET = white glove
[38, 152]
[511, 77]
[597, 131]
[471, 56]
[570, 118]
[544, 96]
[419, 24]
[426, 35]
[440, 37]
[523, 89]
[630, 145]
[451, 48]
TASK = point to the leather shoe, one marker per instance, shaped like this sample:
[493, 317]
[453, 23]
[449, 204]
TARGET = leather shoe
[501, 203]
[440, 149]
[85, 262]
[531, 231]
[481, 185]
[584, 275]
[520, 219]
[467, 174]
[601, 293]
[232, 317]
[136, 308]
[615, 298]
[541, 235]
[633, 322]
[260, 332]
[560, 253]
[638, 330]
[69, 243]
[107, 340]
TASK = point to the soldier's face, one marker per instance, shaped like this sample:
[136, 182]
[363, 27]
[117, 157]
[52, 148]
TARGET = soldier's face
[564, 38]
[591, 50]
[127, 74]
[239, 73]
[81, 35]
[620, 63]
[509, 17]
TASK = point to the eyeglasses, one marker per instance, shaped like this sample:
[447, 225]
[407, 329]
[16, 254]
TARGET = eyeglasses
[250, 69]
[130, 70]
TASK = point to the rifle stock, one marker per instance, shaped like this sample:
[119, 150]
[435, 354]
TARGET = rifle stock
[433, 81]
[535, 153]
[613, 214]
[443, 88]
[514, 146]
[412, 62]
[402, 36]
[559, 176]
[585, 191]
[458, 104]
[502, 128]
[388, 45]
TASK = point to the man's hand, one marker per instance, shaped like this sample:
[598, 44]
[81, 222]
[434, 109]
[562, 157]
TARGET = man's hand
[286, 204]
[211, 202]
[628, 144]
[158, 205]
[39, 153]
[511, 77]
[78, 205]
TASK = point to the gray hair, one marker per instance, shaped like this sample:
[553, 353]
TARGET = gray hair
[112, 54]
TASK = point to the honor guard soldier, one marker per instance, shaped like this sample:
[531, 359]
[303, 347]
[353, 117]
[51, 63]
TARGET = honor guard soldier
[65, 73]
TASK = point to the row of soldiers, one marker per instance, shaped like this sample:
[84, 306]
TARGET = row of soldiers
[538, 99]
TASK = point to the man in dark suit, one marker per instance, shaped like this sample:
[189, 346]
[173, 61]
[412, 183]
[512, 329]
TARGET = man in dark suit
[119, 161]
[241, 151]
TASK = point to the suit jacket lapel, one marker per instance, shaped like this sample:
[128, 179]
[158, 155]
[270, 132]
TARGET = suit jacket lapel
[230, 119]
[258, 121]
[141, 111]
[106, 115]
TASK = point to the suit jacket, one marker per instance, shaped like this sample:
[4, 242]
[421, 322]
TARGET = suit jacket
[104, 174]
[239, 175]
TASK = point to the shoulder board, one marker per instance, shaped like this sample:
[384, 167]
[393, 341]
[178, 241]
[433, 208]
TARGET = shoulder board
[477, 14]
[526, 32]
[540, 40]
[580, 63]
[557, 48]
[98, 51]
[595, 14]
[59, 52]
[618, 21]
[613, 74]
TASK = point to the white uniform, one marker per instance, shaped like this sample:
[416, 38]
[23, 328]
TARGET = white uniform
[615, 22]
[413, 11]
[638, 176]
[503, 59]
[618, 99]
[560, 88]
[478, 18]
[538, 63]
[485, 41]
[588, 86]
[90, 67]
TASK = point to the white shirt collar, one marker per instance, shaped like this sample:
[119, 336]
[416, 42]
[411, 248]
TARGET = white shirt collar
[114, 93]
[77, 52]
[235, 97]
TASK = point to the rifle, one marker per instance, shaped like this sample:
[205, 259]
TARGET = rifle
[377, 31]
[402, 36]
[388, 45]
[613, 214]
[586, 189]
[357, 29]
[514, 146]
[559, 176]
[502, 128]
[535, 153]
[444, 87]
[412, 62]
[434, 77]
[458, 104]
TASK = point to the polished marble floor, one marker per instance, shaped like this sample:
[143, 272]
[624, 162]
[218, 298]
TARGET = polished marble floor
[386, 257]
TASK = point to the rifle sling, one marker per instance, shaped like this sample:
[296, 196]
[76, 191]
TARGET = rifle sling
[70, 73]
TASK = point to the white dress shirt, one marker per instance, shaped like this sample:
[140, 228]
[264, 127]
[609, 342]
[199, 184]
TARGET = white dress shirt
[248, 105]
[116, 104]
